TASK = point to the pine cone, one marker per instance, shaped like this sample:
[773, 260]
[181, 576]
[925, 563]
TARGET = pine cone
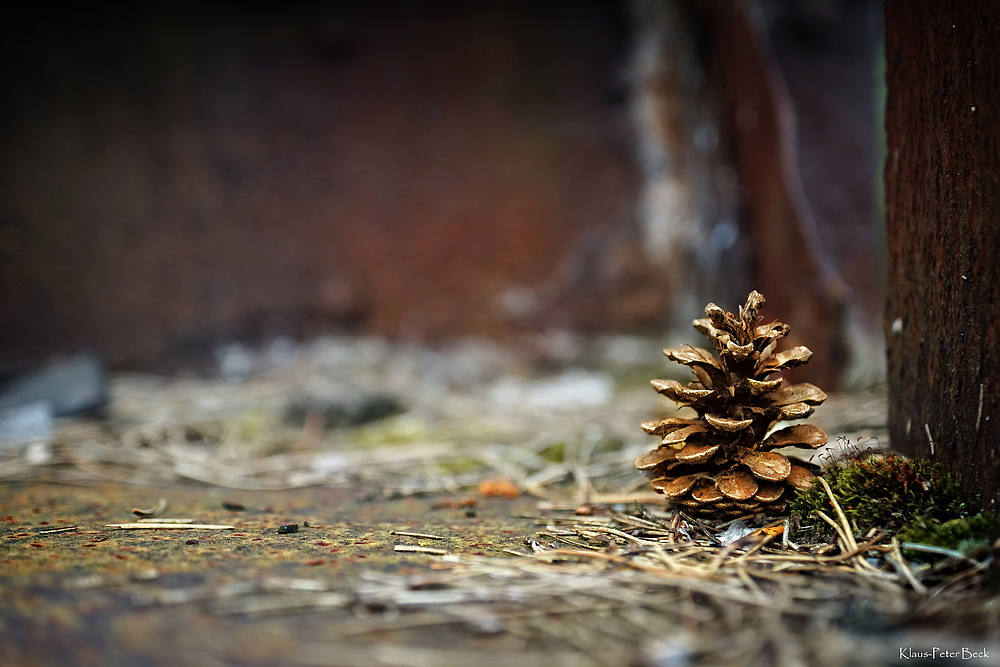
[723, 463]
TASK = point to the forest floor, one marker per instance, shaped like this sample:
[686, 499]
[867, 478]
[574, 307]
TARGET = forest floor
[453, 507]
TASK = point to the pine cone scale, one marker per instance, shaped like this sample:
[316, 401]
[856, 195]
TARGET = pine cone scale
[727, 424]
[768, 465]
[662, 427]
[768, 492]
[693, 454]
[736, 484]
[800, 435]
[682, 434]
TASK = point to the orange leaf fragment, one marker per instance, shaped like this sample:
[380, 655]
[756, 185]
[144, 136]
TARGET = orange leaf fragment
[499, 488]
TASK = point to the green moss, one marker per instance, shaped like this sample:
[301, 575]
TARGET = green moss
[560, 451]
[459, 466]
[401, 429]
[967, 534]
[884, 492]
[556, 452]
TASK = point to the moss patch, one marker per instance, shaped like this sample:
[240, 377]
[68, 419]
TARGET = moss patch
[968, 535]
[890, 492]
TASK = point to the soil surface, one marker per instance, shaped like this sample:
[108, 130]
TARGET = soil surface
[100, 595]
[348, 587]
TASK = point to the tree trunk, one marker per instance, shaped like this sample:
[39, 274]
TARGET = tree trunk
[943, 203]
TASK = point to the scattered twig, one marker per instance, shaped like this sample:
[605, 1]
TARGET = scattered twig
[53, 531]
[168, 526]
[421, 550]
[845, 530]
[403, 533]
[941, 551]
[896, 557]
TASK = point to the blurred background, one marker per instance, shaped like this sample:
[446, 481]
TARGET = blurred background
[177, 177]
[414, 261]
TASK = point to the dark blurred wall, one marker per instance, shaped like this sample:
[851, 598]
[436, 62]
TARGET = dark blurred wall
[829, 54]
[178, 173]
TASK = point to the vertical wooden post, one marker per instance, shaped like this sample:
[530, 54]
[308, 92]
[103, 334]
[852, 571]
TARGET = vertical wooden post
[942, 323]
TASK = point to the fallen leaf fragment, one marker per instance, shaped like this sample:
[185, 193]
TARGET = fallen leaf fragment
[499, 488]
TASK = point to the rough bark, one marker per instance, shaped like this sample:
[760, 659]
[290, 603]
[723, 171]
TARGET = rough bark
[943, 201]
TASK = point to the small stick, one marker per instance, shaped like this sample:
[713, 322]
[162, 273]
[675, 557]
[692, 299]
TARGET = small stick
[419, 550]
[165, 520]
[53, 531]
[514, 553]
[755, 540]
[929, 438]
[621, 534]
[958, 555]
[566, 540]
[403, 533]
[168, 526]
[848, 533]
[606, 499]
[896, 556]
[845, 546]
[849, 547]
[635, 521]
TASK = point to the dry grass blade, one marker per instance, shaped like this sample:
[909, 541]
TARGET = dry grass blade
[168, 526]
[403, 533]
[156, 510]
[419, 550]
[896, 557]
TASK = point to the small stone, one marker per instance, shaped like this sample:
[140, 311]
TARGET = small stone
[571, 389]
[342, 405]
[287, 528]
[71, 386]
[32, 421]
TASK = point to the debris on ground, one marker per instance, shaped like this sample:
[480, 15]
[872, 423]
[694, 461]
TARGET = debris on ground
[453, 532]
